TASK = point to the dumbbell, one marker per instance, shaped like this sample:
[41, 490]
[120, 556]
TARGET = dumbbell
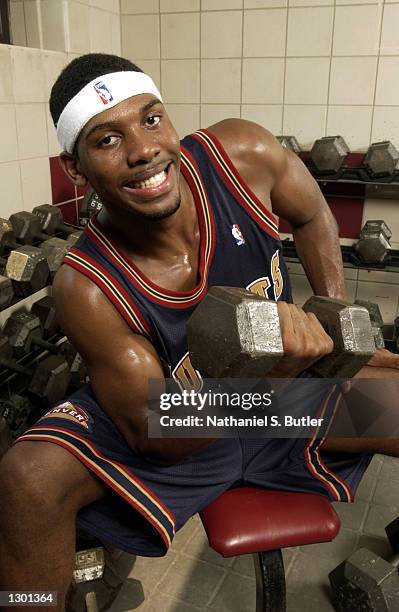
[7, 237]
[44, 309]
[51, 219]
[382, 159]
[77, 367]
[328, 154]
[91, 203]
[376, 319]
[25, 331]
[366, 582]
[6, 292]
[234, 333]
[49, 379]
[72, 238]
[28, 270]
[373, 245]
[55, 250]
[27, 227]
[99, 573]
[15, 409]
[290, 142]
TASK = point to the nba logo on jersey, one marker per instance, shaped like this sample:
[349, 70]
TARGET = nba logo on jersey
[103, 92]
[237, 235]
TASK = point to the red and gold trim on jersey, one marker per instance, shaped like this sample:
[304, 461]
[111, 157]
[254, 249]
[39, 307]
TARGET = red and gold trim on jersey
[114, 291]
[165, 297]
[235, 183]
[338, 488]
[121, 480]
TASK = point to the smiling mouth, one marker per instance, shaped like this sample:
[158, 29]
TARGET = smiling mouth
[153, 182]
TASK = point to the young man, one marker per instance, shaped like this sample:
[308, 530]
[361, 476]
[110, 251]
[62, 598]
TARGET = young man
[177, 219]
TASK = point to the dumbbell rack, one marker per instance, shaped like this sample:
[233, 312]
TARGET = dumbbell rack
[350, 182]
[351, 261]
[349, 257]
[7, 375]
[13, 382]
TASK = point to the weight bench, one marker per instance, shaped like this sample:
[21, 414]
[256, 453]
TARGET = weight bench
[261, 522]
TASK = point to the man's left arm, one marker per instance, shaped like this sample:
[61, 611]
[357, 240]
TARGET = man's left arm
[297, 198]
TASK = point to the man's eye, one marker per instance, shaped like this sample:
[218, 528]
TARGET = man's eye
[153, 120]
[108, 141]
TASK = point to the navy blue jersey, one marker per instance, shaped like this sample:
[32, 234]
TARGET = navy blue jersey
[239, 247]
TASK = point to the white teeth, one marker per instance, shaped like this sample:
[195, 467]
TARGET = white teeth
[153, 181]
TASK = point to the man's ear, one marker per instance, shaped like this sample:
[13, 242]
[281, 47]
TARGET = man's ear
[71, 166]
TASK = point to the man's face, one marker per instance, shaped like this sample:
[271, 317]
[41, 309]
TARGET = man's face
[131, 156]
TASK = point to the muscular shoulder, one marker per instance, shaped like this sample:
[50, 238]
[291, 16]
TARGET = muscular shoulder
[71, 289]
[251, 148]
[87, 316]
[79, 302]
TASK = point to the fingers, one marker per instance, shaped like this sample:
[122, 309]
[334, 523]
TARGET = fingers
[385, 359]
[325, 340]
[302, 333]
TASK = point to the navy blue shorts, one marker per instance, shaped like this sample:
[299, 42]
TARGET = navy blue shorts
[147, 504]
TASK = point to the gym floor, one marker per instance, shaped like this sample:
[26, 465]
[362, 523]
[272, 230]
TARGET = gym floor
[193, 577]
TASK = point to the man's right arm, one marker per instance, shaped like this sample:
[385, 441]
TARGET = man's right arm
[119, 362]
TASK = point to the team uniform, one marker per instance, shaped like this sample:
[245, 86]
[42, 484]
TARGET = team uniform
[240, 247]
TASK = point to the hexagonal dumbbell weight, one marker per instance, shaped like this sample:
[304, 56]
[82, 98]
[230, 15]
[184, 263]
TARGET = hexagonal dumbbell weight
[54, 251]
[376, 319]
[6, 292]
[328, 154]
[44, 309]
[51, 220]
[290, 142]
[25, 332]
[373, 245]
[234, 333]
[28, 270]
[77, 366]
[366, 582]
[382, 159]
[73, 238]
[349, 326]
[7, 237]
[16, 409]
[91, 204]
[99, 575]
[48, 379]
[27, 227]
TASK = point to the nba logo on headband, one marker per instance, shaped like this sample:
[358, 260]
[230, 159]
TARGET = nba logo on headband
[103, 92]
[85, 105]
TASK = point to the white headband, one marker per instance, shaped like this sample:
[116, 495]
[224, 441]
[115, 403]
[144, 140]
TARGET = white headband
[97, 96]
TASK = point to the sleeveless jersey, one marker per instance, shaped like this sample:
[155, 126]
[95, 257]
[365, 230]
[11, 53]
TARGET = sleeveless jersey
[239, 247]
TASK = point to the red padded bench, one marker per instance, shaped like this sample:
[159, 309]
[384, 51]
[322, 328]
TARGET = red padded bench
[261, 522]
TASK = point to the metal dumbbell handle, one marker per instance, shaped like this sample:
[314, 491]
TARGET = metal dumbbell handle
[7, 363]
[91, 602]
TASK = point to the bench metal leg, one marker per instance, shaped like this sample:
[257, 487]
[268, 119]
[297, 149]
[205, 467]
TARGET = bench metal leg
[270, 581]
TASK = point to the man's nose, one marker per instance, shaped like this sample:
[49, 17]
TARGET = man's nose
[142, 149]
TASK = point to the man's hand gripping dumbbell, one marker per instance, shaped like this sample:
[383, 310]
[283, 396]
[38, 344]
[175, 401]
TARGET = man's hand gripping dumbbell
[236, 333]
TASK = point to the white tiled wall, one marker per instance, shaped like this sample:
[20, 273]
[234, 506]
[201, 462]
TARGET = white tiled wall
[326, 66]
[51, 33]
[305, 67]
